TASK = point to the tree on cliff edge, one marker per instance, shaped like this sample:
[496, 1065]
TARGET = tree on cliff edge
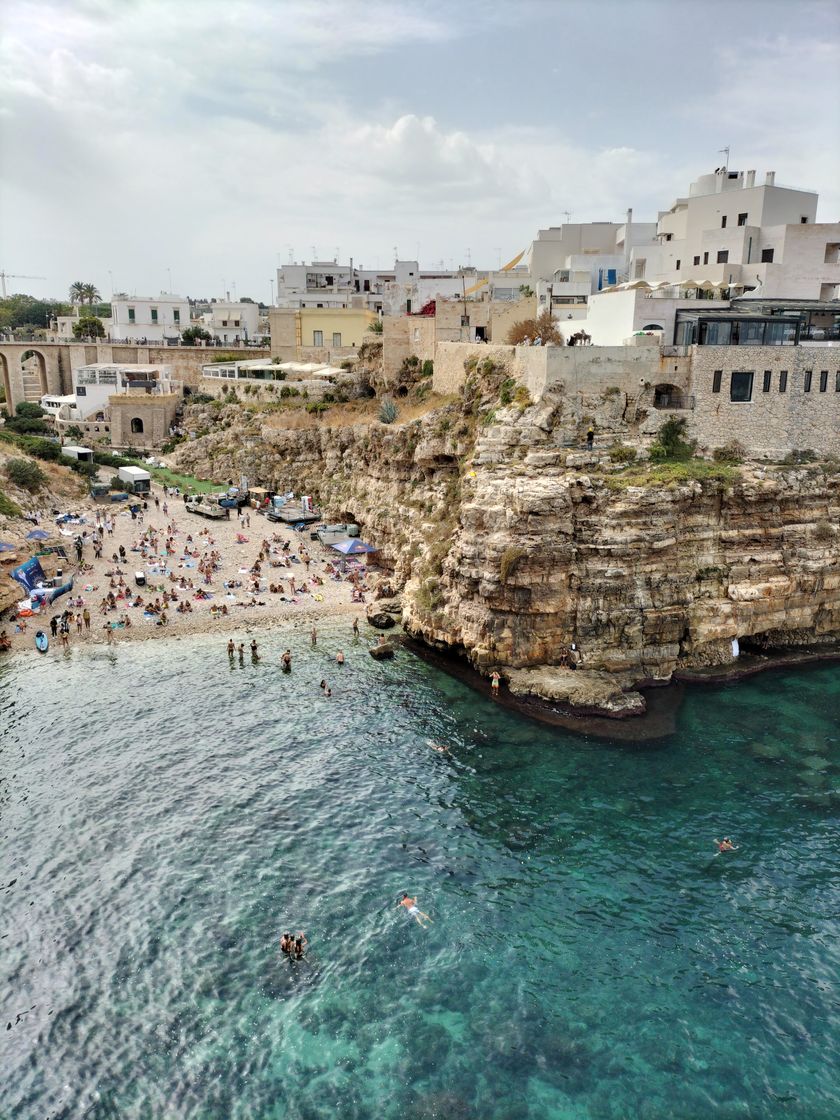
[542, 331]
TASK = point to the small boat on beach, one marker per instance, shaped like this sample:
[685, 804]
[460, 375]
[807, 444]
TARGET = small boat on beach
[42, 642]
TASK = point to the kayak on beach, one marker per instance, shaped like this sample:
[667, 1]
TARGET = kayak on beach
[42, 642]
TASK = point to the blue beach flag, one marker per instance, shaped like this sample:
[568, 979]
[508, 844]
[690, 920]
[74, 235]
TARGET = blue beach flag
[29, 574]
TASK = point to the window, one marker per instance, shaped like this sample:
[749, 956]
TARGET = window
[678, 264]
[837, 382]
[176, 315]
[336, 338]
[823, 380]
[723, 256]
[782, 380]
[718, 374]
[705, 258]
[137, 426]
[766, 256]
[154, 314]
[742, 219]
[317, 338]
[768, 377]
[640, 269]
[741, 386]
[697, 260]
[806, 384]
[668, 236]
[131, 314]
[803, 221]
[723, 222]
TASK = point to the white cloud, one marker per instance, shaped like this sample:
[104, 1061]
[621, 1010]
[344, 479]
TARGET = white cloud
[207, 136]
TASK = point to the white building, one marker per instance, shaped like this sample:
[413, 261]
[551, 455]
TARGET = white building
[141, 318]
[568, 263]
[63, 327]
[232, 322]
[404, 288]
[730, 232]
[94, 384]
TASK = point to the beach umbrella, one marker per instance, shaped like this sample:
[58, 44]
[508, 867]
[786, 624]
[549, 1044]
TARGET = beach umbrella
[353, 547]
[37, 535]
[7, 546]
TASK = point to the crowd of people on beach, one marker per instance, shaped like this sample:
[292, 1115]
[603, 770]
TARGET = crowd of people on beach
[182, 570]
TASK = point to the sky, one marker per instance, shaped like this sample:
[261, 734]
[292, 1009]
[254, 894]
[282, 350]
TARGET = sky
[192, 146]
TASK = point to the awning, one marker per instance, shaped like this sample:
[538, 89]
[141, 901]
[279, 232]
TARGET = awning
[353, 547]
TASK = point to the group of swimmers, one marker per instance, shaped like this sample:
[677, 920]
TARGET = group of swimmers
[293, 947]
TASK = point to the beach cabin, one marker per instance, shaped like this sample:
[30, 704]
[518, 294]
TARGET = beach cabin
[83, 454]
[137, 481]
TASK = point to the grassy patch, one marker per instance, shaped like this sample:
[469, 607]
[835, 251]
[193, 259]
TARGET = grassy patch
[186, 481]
[673, 474]
[509, 562]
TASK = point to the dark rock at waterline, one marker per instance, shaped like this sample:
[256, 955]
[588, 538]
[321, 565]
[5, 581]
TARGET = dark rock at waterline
[384, 614]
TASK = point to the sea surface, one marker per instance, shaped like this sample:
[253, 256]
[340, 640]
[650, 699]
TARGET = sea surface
[165, 816]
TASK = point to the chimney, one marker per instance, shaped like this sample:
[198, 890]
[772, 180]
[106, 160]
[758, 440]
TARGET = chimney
[750, 182]
[770, 179]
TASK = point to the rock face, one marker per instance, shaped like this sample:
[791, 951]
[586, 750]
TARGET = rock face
[582, 689]
[509, 546]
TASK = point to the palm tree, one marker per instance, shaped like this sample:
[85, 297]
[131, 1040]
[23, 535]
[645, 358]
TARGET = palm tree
[77, 292]
[81, 292]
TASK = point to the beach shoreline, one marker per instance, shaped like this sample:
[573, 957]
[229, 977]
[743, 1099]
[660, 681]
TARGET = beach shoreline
[238, 545]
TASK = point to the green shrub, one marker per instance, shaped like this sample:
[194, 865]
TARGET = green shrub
[328, 398]
[522, 397]
[375, 327]
[116, 482]
[26, 474]
[428, 368]
[388, 411]
[26, 425]
[732, 452]
[509, 561]
[507, 390]
[8, 508]
[200, 398]
[621, 453]
[317, 407]
[29, 411]
[823, 531]
[288, 391]
[792, 459]
[88, 470]
[670, 447]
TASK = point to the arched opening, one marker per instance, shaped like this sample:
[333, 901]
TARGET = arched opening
[653, 327]
[668, 396]
[402, 391]
[33, 368]
[136, 426]
[7, 385]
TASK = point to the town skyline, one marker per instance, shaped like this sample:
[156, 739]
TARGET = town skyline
[149, 150]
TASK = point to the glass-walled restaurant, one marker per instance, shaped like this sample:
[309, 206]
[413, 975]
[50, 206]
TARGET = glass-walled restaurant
[762, 325]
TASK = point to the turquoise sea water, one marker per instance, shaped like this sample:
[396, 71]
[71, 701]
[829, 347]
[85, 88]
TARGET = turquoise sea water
[164, 817]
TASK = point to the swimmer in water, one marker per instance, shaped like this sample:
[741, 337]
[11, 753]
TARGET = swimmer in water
[410, 905]
[438, 747]
[299, 945]
[286, 943]
[725, 845]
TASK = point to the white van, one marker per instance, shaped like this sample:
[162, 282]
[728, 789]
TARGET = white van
[137, 481]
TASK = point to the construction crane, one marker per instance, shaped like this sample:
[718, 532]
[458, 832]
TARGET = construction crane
[4, 276]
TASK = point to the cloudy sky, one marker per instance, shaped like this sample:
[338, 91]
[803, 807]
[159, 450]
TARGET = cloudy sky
[211, 141]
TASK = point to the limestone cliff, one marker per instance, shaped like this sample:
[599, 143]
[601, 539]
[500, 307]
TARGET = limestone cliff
[510, 546]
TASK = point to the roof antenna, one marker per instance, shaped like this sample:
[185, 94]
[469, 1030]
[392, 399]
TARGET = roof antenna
[725, 151]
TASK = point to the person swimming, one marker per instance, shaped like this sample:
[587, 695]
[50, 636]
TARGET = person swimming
[412, 908]
[286, 943]
[725, 845]
[299, 946]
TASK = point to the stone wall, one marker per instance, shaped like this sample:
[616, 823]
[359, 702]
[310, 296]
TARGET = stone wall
[772, 423]
[156, 411]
